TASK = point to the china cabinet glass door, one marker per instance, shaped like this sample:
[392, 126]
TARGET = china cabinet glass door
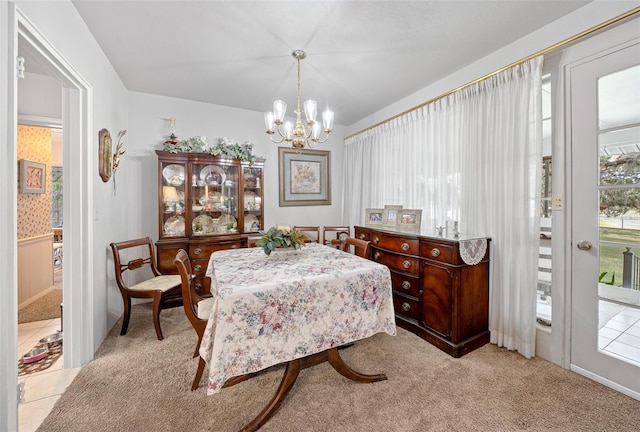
[252, 177]
[173, 200]
[214, 199]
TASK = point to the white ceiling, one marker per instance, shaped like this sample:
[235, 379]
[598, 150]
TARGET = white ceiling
[361, 55]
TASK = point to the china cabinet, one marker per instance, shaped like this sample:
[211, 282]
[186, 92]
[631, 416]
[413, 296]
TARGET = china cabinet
[206, 203]
[440, 285]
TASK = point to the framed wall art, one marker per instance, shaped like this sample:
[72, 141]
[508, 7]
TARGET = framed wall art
[33, 177]
[409, 220]
[305, 177]
[373, 217]
[390, 215]
[104, 155]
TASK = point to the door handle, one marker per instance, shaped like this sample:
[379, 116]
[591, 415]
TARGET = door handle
[584, 245]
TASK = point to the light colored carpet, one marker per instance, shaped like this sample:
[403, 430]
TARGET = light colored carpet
[138, 383]
[45, 308]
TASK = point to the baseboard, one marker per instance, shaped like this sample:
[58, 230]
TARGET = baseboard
[605, 382]
[36, 297]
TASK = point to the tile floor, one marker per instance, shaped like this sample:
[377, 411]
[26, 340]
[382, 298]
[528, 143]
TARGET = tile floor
[619, 328]
[619, 333]
[42, 389]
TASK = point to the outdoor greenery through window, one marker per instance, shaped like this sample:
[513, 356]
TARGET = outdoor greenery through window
[56, 196]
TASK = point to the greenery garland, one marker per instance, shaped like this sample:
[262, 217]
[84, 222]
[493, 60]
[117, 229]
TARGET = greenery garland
[225, 147]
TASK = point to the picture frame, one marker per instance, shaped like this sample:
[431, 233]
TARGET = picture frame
[409, 220]
[104, 155]
[390, 215]
[33, 177]
[304, 177]
[373, 217]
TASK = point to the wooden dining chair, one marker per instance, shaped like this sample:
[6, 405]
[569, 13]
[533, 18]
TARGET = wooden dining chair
[356, 246]
[312, 232]
[164, 290]
[331, 235]
[197, 303]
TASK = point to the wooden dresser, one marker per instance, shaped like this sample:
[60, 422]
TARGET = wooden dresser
[436, 294]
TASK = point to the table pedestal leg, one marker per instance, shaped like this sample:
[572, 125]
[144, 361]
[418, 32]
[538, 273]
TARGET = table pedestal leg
[290, 376]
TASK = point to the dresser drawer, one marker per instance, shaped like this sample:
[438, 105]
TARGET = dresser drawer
[446, 253]
[396, 244]
[405, 284]
[362, 235]
[398, 262]
[204, 250]
[405, 306]
[199, 266]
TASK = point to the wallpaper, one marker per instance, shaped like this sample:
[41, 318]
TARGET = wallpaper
[34, 210]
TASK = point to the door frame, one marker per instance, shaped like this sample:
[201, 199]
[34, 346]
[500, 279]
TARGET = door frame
[77, 117]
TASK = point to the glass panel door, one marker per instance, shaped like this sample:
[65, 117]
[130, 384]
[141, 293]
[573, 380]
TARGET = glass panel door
[605, 299]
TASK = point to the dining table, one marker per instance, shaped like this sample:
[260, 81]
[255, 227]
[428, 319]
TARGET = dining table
[294, 306]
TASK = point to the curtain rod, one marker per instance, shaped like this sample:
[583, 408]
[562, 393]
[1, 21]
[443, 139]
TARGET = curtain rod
[489, 75]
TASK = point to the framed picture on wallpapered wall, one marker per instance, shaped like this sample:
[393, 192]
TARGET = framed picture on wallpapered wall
[33, 177]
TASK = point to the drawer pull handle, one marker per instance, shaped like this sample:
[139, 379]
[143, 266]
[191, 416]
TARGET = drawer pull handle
[376, 240]
[406, 285]
[234, 247]
[197, 268]
[376, 255]
[361, 236]
[405, 247]
[198, 251]
[406, 264]
[406, 307]
[435, 252]
[198, 287]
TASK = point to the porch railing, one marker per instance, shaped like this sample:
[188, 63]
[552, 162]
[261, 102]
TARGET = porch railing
[631, 270]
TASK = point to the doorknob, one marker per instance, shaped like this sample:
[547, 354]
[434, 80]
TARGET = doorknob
[584, 245]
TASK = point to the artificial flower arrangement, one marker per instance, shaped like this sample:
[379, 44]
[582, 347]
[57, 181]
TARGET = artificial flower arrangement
[281, 237]
[225, 147]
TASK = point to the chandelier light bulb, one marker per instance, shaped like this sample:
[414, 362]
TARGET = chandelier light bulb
[327, 120]
[310, 111]
[269, 122]
[279, 111]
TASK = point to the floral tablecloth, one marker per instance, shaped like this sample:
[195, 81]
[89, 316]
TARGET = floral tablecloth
[291, 304]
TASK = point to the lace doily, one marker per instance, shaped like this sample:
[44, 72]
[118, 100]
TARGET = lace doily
[472, 251]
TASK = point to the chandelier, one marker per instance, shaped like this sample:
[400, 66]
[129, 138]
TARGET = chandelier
[298, 135]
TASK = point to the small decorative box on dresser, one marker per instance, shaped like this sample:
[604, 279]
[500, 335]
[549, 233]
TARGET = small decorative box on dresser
[206, 203]
[436, 294]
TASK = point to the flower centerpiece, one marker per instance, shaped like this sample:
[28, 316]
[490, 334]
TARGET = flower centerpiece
[281, 237]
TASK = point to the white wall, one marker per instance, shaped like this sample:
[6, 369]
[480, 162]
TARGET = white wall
[148, 129]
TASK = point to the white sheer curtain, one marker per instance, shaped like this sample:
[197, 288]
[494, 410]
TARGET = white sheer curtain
[473, 156]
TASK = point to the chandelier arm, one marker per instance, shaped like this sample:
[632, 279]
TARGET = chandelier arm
[326, 137]
[275, 141]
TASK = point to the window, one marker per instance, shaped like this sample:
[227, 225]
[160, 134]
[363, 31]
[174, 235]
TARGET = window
[544, 257]
[56, 196]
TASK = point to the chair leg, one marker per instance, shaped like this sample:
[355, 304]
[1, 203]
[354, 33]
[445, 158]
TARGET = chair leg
[157, 301]
[196, 380]
[127, 315]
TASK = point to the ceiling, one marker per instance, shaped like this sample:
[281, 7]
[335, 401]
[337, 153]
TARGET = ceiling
[361, 55]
